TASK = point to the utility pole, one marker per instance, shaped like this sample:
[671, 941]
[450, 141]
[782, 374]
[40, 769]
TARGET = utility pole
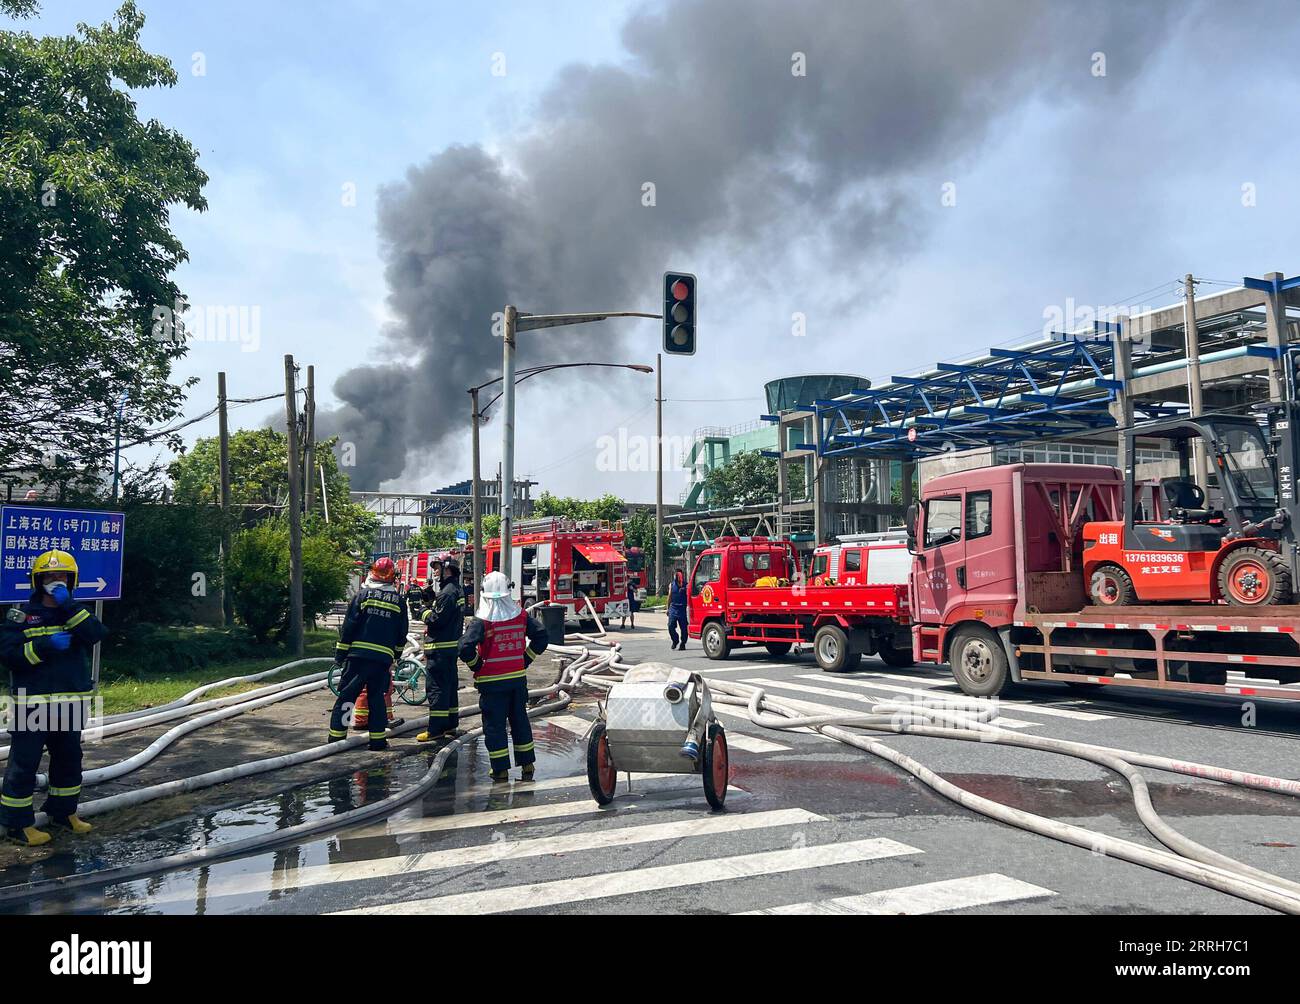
[508, 441]
[514, 321]
[476, 505]
[309, 468]
[295, 514]
[227, 607]
[1195, 400]
[659, 474]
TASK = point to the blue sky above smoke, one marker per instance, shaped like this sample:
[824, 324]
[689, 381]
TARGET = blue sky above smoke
[1095, 196]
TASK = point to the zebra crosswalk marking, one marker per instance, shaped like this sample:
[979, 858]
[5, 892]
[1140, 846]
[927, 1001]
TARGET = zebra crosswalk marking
[623, 883]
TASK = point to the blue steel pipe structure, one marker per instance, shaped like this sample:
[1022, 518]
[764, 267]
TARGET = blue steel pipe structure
[1013, 395]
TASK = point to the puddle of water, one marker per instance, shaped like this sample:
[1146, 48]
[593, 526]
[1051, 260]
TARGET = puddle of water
[463, 787]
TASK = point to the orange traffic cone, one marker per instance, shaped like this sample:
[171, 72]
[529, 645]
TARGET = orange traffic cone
[361, 713]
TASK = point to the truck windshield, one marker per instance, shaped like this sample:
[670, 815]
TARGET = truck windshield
[1247, 461]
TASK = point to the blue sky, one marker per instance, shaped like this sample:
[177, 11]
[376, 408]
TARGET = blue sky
[1093, 196]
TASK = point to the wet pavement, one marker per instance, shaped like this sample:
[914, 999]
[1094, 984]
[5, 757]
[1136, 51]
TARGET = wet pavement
[808, 821]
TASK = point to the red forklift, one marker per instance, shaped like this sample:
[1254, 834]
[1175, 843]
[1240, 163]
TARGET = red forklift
[1243, 552]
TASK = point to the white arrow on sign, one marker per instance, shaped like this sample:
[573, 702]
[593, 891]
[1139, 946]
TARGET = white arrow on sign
[98, 585]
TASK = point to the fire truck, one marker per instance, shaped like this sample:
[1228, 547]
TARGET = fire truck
[413, 569]
[560, 560]
[998, 592]
[853, 602]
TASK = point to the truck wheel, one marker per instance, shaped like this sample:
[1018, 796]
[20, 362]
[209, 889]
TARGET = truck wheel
[715, 641]
[1254, 577]
[602, 775]
[777, 649]
[1111, 587]
[891, 656]
[831, 646]
[979, 665]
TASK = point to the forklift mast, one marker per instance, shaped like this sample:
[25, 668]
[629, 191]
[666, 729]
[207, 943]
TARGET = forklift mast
[1284, 450]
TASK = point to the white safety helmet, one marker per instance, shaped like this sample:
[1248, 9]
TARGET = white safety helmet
[495, 602]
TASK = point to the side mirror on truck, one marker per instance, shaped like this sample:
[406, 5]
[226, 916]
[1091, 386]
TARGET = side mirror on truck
[911, 520]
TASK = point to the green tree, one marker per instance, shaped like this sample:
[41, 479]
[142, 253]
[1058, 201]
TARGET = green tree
[748, 478]
[86, 249]
[607, 507]
[258, 577]
[443, 538]
[258, 477]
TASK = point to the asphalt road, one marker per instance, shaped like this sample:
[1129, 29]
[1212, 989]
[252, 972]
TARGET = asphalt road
[810, 824]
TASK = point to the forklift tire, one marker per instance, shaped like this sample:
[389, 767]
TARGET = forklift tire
[715, 641]
[831, 647]
[777, 649]
[891, 656]
[1254, 577]
[1111, 586]
[979, 665]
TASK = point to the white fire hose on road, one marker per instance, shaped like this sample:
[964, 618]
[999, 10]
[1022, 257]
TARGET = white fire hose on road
[597, 662]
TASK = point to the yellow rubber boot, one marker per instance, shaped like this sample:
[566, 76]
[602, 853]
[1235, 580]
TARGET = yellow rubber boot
[75, 823]
[29, 835]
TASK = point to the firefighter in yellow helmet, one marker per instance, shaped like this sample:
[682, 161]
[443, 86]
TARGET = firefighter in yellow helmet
[45, 643]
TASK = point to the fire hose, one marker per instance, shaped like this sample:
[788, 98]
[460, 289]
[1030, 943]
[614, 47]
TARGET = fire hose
[571, 677]
[961, 719]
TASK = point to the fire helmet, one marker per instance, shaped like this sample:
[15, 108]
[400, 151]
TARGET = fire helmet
[50, 562]
[383, 570]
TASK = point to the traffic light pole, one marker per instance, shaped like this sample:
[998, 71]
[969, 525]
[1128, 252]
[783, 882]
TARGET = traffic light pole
[516, 322]
[508, 443]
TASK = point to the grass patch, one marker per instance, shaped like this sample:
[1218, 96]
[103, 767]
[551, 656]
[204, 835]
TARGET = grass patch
[157, 665]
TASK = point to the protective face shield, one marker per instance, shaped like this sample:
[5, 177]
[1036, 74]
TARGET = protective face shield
[495, 602]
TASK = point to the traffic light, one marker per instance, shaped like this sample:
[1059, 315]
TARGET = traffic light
[679, 313]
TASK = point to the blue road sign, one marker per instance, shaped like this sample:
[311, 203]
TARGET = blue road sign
[462, 536]
[95, 539]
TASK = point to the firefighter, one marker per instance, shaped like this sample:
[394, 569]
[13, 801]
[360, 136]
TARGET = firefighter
[443, 623]
[677, 609]
[499, 645]
[372, 636]
[45, 642]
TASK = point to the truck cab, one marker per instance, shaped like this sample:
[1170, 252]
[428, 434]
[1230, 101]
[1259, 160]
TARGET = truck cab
[863, 559]
[992, 543]
[734, 563]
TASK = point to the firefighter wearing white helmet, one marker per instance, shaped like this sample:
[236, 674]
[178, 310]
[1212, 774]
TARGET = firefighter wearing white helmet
[498, 645]
[45, 643]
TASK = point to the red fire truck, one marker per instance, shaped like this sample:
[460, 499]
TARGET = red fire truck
[749, 591]
[413, 569]
[561, 559]
[998, 592]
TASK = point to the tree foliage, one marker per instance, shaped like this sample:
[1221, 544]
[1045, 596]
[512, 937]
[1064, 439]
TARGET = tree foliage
[86, 250]
[607, 507]
[748, 478]
[259, 477]
[258, 577]
[443, 537]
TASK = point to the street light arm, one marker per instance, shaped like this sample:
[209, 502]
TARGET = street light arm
[532, 371]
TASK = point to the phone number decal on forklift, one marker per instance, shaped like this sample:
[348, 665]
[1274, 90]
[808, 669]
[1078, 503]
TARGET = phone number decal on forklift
[1170, 557]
